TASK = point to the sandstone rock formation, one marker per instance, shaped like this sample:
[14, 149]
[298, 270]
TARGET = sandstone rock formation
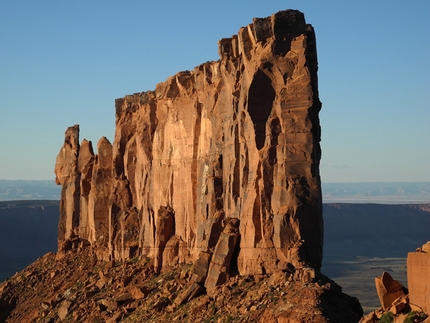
[418, 265]
[388, 289]
[218, 165]
[399, 304]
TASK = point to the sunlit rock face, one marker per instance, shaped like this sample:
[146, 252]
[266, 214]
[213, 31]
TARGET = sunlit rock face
[221, 162]
[418, 264]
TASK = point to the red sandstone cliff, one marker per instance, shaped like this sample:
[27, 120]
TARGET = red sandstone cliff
[418, 267]
[219, 164]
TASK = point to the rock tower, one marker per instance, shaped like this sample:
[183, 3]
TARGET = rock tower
[217, 166]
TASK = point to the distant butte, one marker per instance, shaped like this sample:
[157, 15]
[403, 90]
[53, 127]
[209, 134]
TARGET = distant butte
[218, 165]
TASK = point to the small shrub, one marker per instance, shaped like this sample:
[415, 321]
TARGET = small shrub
[410, 317]
[134, 260]
[229, 319]
[387, 318]
[79, 285]
[415, 316]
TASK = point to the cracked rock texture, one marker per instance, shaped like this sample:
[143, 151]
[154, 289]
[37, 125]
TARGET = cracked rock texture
[219, 164]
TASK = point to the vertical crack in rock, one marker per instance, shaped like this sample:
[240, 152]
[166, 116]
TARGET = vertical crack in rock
[221, 260]
[217, 166]
[197, 131]
[237, 166]
[100, 197]
[165, 229]
[85, 168]
[218, 184]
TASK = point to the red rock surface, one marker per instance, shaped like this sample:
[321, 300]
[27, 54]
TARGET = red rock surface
[418, 267]
[233, 140]
[388, 289]
[399, 304]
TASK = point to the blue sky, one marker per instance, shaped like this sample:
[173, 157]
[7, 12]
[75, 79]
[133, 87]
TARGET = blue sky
[65, 62]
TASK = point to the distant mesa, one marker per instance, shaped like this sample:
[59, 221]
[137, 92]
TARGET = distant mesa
[12, 190]
[377, 192]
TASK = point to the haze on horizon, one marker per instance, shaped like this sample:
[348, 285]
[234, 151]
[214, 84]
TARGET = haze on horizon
[66, 63]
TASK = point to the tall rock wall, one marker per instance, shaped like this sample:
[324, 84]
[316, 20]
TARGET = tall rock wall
[219, 164]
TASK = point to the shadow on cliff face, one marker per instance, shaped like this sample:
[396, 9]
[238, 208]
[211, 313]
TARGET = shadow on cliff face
[261, 96]
[234, 268]
[6, 308]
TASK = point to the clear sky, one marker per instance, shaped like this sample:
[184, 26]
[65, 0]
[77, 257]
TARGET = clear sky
[65, 62]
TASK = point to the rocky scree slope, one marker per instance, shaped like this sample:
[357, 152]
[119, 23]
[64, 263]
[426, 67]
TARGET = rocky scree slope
[76, 287]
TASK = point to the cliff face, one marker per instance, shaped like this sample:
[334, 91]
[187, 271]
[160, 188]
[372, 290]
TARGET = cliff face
[418, 264]
[219, 164]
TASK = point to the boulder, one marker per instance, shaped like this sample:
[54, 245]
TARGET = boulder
[165, 230]
[278, 278]
[388, 290]
[139, 293]
[201, 266]
[63, 310]
[171, 253]
[109, 304]
[426, 247]
[399, 304]
[124, 297]
[220, 264]
[370, 318]
[193, 290]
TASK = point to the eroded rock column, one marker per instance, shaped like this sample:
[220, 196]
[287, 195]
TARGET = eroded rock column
[67, 175]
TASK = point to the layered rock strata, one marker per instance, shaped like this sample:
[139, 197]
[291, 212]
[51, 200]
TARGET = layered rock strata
[219, 164]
